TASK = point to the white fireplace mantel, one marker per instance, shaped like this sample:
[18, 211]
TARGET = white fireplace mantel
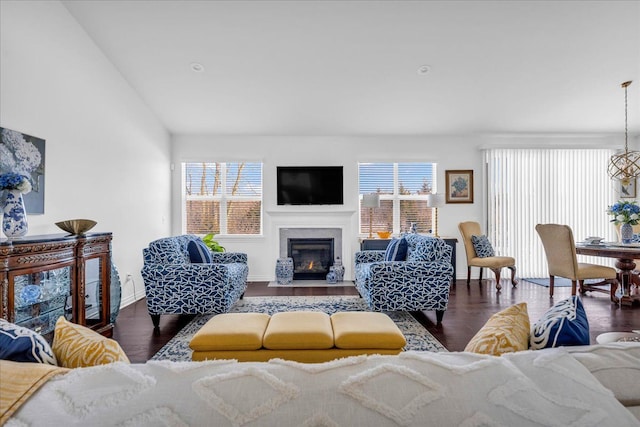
[300, 220]
[307, 211]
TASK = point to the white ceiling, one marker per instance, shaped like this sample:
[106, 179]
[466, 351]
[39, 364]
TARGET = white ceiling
[351, 67]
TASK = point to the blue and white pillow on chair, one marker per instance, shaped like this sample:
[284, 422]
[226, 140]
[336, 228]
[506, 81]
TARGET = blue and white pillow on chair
[20, 344]
[396, 250]
[199, 252]
[564, 324]
[482, 246]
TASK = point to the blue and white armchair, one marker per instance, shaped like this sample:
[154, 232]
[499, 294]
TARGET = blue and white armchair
[421, 282]
[176, 285]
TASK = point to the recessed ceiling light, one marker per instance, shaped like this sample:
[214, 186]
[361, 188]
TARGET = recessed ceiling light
[196, 67]
[424, 69]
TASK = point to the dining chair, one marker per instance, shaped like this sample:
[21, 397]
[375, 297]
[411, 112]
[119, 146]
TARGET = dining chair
[470, 229]
[560, 249]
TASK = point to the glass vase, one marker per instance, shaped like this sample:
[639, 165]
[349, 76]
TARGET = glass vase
[14, 215]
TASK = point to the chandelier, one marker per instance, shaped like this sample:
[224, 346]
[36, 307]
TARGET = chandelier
[625, 166]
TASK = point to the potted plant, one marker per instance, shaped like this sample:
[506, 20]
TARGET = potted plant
[212, 244]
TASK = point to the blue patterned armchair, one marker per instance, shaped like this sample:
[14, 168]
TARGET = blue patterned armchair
[174, 285]
[420, 283]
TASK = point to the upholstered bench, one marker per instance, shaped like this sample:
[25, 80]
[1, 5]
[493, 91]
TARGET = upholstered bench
[303, 336]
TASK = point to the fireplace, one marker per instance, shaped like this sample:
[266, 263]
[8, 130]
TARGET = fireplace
[312, 257]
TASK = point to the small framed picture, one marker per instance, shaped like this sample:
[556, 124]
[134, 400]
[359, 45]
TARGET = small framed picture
[627, 190]
[459, 186]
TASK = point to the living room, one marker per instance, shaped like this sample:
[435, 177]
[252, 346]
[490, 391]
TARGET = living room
[125, 92]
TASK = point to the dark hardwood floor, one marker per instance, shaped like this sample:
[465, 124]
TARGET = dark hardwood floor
[469, 308]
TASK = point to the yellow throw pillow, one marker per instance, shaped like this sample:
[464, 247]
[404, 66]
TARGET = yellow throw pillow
[77, 346]
[505, 332]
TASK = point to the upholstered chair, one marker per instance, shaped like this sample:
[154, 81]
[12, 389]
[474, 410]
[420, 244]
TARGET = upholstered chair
[560, 249]
[470, 230]
[418, 281]
[178, 280]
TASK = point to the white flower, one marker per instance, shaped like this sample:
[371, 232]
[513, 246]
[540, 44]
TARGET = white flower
[634, 216]
[24, 187]
[620, 218]
[26, 157]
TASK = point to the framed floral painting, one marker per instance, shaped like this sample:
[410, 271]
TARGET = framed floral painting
[459, 185]
[627, 190]
[24, 154]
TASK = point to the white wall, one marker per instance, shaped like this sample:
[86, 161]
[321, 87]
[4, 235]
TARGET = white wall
[107, 156]
[449, 152]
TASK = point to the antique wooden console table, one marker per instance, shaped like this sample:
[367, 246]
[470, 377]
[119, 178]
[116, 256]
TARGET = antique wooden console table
[45, 277]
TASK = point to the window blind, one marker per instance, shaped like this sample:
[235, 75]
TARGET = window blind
[403, 188]
[526, 187]
[222, 198]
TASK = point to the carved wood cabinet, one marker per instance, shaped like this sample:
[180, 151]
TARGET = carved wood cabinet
[45, 277]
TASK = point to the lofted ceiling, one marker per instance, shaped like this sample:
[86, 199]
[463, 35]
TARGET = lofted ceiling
[354, 67]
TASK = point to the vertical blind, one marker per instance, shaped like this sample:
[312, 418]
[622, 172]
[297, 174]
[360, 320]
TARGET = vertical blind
[540, 186]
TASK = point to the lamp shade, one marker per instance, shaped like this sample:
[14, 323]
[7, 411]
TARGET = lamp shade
[435, 200]
[371, 200]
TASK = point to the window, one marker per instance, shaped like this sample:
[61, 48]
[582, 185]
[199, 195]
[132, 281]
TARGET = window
[222, 198]
[403, 189]
[539, 186]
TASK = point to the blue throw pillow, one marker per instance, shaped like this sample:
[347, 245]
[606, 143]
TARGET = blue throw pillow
[20, 344]
[564, 324]
[396, 250]
[482, 246]
[199, 252]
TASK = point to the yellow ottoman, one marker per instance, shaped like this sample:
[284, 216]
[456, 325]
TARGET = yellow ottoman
[299, 330]
[366, 330]
[303, 336]
[229, 332]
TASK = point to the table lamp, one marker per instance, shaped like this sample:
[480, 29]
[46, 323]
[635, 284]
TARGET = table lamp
[371, 201]
[435, 201]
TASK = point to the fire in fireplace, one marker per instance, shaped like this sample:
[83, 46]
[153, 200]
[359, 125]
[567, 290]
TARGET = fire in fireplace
[311, 257]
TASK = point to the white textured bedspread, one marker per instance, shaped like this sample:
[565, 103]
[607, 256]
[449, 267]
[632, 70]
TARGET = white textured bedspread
[533, 388]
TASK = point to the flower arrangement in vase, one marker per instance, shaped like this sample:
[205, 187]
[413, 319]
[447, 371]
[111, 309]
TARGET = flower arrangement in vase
[626, 214]
[14, 216]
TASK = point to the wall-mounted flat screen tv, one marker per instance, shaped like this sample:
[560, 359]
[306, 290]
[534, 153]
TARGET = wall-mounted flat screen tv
[309, 185]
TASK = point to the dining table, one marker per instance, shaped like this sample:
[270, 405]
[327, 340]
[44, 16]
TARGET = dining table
[625, 255]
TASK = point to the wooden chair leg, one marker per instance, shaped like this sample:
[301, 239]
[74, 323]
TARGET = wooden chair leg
[480, 275]
[155, 318]
[551, 283]
[581, 287]
[496, 271]
[439, 316]
[573, 287]
[468, 275]
[514, 282]
[614, 288]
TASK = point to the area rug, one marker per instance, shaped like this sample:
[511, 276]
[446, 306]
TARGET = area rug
[418, 338]
[310, 284]
[559, 282]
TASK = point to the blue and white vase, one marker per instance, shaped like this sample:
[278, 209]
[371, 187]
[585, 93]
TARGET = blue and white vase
[284, 271]
[626, 233]
[331, 276]
[14, 216]
[339, 269]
